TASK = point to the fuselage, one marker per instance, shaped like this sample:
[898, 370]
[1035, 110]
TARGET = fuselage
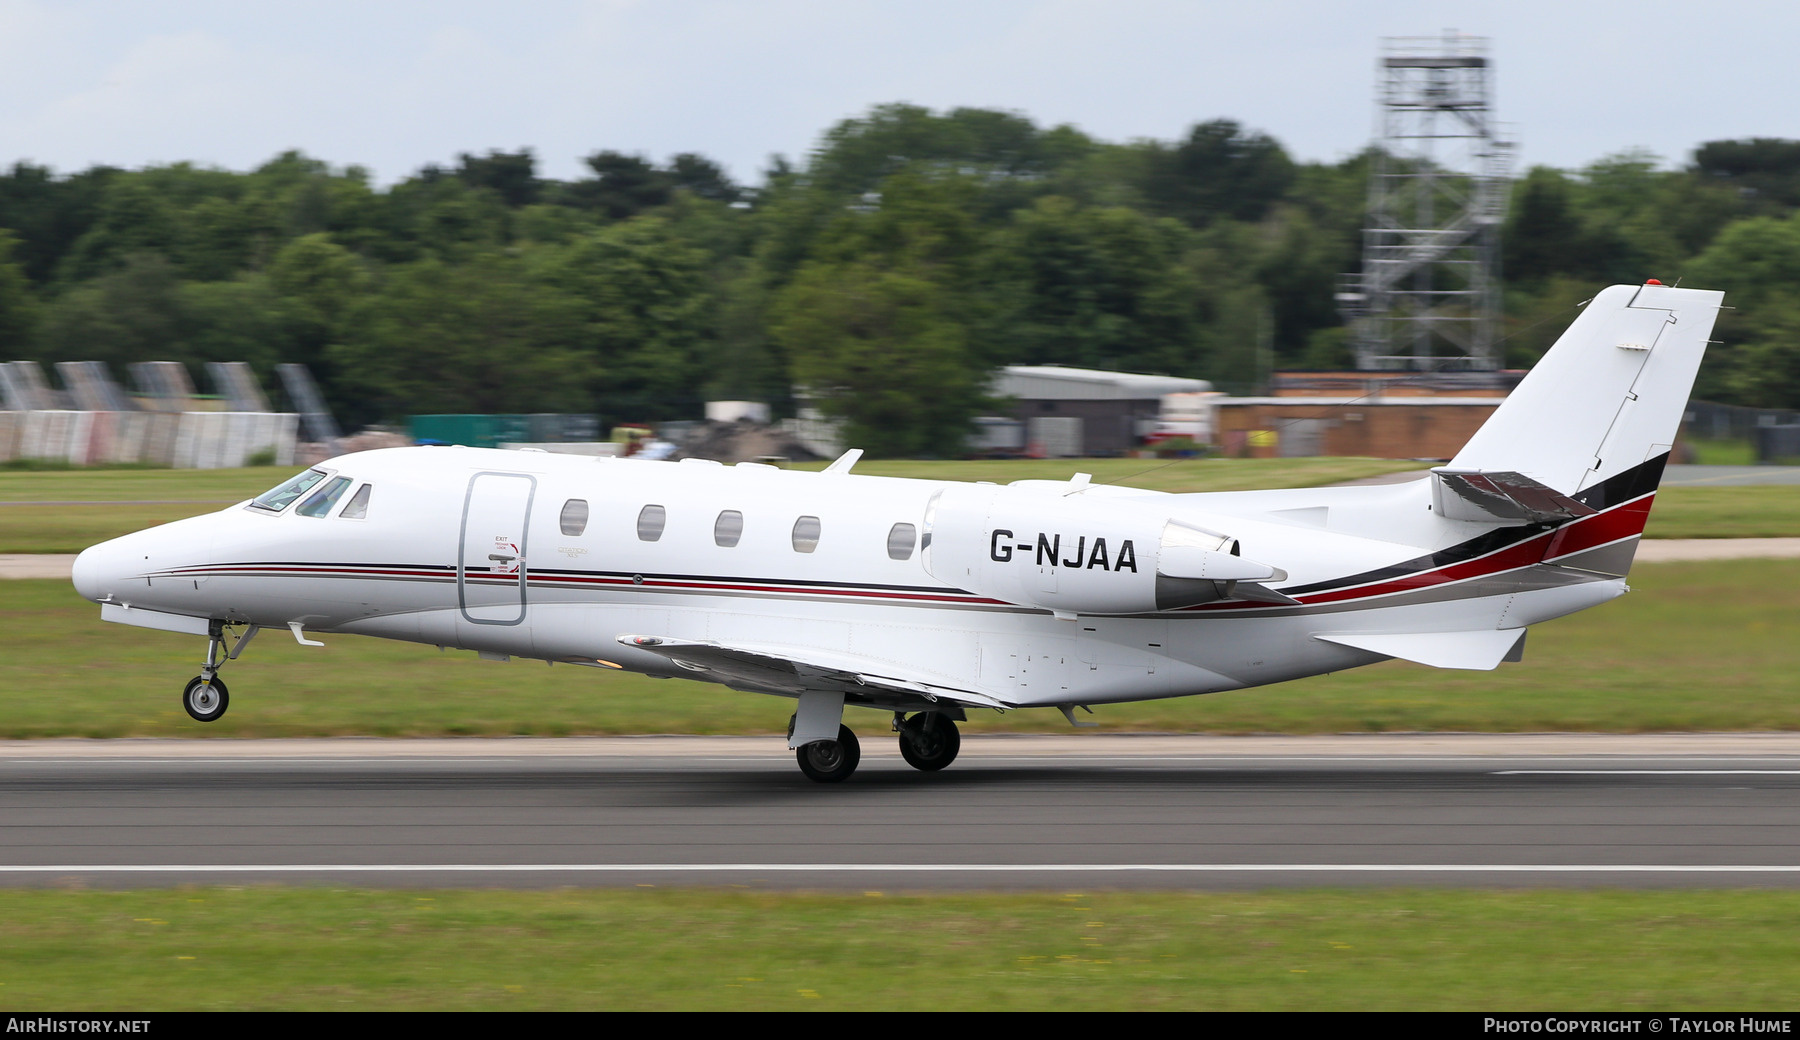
[555, 557]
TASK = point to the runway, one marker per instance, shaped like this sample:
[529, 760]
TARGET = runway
[1012, 813]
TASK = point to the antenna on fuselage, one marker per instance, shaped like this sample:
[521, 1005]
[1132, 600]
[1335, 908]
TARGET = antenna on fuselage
[844, 461]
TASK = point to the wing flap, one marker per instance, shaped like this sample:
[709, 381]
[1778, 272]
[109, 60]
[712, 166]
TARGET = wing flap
[1477, 651]
[795, 670]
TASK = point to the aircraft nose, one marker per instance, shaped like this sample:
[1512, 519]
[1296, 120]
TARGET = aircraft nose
[96, 571]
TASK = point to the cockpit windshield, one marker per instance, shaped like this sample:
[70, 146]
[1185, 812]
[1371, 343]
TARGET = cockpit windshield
[280, 497]
[324, 498]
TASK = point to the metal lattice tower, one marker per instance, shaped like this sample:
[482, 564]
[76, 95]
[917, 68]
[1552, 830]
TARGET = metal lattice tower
[1428, 295]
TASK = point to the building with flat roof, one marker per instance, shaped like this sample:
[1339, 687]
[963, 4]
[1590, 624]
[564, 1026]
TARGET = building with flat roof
[1388, 415]
[1074, 412]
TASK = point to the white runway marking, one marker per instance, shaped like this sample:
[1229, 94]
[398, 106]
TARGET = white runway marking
[905, 868]
[1647, 772]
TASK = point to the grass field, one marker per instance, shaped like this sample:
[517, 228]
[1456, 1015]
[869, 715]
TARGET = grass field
[273, 948]
[1700, 646]
[82, 507]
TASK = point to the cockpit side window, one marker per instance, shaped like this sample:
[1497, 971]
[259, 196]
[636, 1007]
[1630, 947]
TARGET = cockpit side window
[358, 509]
[283, 495]
[323, 499]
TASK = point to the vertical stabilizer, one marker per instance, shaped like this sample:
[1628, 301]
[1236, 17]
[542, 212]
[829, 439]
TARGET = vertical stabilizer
[1606, 401]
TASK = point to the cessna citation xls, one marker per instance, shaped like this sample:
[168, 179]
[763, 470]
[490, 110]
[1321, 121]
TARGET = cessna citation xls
[928, 598]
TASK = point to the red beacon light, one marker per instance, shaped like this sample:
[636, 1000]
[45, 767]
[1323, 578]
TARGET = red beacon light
[1653, 281]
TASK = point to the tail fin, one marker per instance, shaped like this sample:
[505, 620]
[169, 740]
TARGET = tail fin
[1595, 419]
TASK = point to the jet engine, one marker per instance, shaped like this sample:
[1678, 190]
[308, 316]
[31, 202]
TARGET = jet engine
[1065, 548]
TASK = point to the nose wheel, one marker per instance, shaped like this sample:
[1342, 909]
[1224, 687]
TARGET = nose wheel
[830, 761]
[205, 699]
[929, 741]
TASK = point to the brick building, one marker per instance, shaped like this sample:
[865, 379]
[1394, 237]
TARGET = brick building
[1394, 415]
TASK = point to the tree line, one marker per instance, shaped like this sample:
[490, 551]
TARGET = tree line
[890, 271]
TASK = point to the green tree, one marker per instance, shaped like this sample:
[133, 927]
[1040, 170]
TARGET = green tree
[476, 336]
[318, 285]
[887, 311]
[510, 175]
[885, 351]
[1767, 169]
[132, 313]
[622, 186]
[1221, 171]
[857, 155]
[50, 213]
[1757, 262]
[1098, 288]
[645, 311]
[18, 306]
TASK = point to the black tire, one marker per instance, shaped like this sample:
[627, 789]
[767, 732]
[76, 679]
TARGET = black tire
[929, 741]
[208, 704]
[830, 761]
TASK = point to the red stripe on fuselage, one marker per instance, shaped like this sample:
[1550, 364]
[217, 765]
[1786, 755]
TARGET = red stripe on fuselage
[1626, 520]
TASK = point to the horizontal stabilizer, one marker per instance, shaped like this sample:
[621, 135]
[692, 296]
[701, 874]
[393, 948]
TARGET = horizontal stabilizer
[795, 670]
[1501, 497]
[1479, 651]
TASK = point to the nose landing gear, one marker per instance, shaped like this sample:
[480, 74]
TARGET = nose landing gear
[206, 697]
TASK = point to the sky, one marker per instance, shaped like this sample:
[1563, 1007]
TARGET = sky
[392, 85]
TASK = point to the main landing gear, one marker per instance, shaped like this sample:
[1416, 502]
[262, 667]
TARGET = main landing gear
[830, 761]
[206, 697]
[929, 741]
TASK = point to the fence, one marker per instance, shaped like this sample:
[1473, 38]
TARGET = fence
[491, 431]
[183, 440]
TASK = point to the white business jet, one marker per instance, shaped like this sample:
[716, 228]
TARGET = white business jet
[930, 598]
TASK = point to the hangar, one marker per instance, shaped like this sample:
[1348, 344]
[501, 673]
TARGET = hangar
[1076, 412]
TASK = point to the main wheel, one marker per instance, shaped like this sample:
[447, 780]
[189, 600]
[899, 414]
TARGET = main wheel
[205, 701]
[830, 761]
[929, 741]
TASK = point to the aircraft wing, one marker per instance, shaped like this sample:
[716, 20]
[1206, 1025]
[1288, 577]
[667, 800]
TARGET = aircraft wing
[1480, 651]
[1501, 496]
[792, 670]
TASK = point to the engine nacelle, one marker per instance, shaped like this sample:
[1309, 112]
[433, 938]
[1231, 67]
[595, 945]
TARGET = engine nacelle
[1059, 547]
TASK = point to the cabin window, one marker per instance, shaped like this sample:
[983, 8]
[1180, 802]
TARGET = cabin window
[651, 521]
[574, 517]
[806, 534]
[358, 509]
[900, 541]
[323, 499]
[728, 528]
[280, 497]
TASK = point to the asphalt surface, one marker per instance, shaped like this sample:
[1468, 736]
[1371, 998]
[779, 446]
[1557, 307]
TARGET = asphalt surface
[1014, 812]
[1728, 476]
